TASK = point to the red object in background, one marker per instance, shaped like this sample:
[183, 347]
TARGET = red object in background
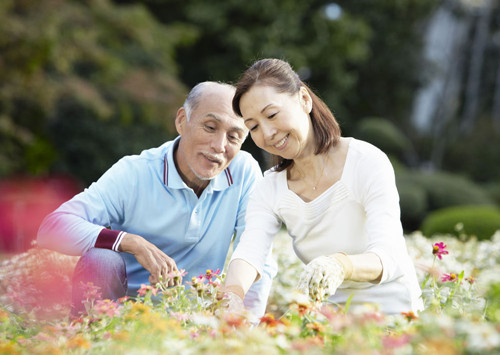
[24, 203]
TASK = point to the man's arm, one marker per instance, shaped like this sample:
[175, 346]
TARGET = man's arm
[80, 223]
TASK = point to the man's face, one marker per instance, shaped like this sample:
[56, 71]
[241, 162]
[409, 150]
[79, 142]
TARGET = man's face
[210, 138]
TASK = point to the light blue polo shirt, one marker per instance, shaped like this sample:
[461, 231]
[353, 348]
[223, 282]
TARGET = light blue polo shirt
[144, 195]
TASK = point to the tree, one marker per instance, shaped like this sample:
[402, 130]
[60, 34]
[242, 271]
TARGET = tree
[82, 83]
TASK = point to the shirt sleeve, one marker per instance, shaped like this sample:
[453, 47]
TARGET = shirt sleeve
[83, 222]
[262, 225]
[380, 199]
[258, 294]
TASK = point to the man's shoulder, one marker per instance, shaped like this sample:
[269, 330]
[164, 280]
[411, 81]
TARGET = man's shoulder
[244, 167]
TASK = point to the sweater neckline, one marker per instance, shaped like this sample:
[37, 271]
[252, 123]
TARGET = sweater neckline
[329, 190]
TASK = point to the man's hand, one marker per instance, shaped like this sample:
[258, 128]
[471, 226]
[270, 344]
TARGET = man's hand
[150, 257]
[321, 277]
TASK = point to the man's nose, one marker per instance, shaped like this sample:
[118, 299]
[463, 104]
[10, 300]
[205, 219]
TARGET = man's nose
[219, 143]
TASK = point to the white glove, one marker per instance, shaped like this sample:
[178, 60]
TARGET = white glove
[321, 277]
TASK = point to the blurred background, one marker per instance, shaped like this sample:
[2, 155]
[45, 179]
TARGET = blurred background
[84, 82]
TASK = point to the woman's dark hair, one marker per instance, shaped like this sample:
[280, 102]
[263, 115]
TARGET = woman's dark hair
[280, 75]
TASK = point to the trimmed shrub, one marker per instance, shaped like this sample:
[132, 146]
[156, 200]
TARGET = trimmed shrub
[383, 134]
[413, 203]
[480, 221]
[421, 193]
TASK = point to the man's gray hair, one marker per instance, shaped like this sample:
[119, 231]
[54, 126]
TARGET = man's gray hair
[194, 96]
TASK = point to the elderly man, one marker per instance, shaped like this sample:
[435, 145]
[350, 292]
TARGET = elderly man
[173, 207]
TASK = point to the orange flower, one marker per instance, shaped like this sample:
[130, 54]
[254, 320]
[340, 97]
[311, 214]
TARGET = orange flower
[78, 341]
[409, 316]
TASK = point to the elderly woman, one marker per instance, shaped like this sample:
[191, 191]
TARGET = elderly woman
[337, 197]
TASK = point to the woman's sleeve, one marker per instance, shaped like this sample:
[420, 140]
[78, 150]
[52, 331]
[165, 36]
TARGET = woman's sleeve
[380, 198]
[261, 226]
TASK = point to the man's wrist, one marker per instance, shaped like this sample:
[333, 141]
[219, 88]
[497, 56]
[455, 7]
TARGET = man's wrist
[127, 243]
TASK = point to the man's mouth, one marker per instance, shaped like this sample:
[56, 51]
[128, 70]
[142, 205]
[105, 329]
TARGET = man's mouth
[212, 158]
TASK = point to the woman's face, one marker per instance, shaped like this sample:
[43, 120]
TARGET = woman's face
[279, 123]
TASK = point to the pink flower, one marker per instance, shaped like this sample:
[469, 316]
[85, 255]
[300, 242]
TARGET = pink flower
[438, 249]
[451, 277]
[107, 307]
[177, 276]
[90, 291]
[145, 288]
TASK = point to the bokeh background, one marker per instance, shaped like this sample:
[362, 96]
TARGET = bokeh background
[84, 82]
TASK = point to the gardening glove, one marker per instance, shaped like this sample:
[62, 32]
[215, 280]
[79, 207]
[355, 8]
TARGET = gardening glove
[323, 275]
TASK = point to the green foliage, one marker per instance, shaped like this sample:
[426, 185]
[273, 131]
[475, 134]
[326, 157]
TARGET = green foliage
[413, 203]
[105, 73]
[481, 221]
[421, 193]
[235, 33]
[493, 302]
[389, 77]
[476, 153]
[383, 134]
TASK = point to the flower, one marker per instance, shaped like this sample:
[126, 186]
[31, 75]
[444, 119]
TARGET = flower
[470, 280]
[145, 288]
[90, 291]
[438, 249]
[451, 277]
[107, 307]
[409, 316]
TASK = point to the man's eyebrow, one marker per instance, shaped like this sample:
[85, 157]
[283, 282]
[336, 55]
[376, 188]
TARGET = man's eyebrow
[233, 128]
[214, 117]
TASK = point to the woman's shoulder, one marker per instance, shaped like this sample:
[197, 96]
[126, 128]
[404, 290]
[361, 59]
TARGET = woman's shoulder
[363, 149]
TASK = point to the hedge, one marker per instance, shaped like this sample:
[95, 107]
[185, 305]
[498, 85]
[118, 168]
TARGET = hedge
[479, 221]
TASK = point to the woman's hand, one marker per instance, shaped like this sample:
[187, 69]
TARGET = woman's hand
[321, 277]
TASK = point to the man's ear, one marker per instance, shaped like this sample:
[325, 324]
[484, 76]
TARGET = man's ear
[180, 120]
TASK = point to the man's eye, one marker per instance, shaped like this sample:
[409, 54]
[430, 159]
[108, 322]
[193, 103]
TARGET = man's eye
[209, 128]
[234, 139]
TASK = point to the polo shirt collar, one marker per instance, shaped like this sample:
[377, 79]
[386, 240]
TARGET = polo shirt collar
[172, 179]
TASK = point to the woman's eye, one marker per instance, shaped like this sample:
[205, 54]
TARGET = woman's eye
[272, 115]
[253, 128]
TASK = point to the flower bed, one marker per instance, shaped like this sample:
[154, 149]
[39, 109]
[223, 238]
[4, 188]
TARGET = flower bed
[461, 291]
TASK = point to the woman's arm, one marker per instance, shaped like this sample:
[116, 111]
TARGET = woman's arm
[240, 276]
[365, 267]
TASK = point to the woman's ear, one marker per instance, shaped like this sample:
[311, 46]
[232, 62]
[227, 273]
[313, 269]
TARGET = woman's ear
[305, 99]
[180, 120]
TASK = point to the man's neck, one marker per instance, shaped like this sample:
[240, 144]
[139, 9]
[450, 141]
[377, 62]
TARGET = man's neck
[197, 185]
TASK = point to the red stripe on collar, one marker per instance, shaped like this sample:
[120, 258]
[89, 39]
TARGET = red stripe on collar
[165, 170]
[228, 177]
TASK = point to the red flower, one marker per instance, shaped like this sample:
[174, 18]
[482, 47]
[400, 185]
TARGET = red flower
[438, 249]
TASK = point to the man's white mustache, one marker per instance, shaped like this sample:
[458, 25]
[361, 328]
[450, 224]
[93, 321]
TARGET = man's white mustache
[214, 157]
